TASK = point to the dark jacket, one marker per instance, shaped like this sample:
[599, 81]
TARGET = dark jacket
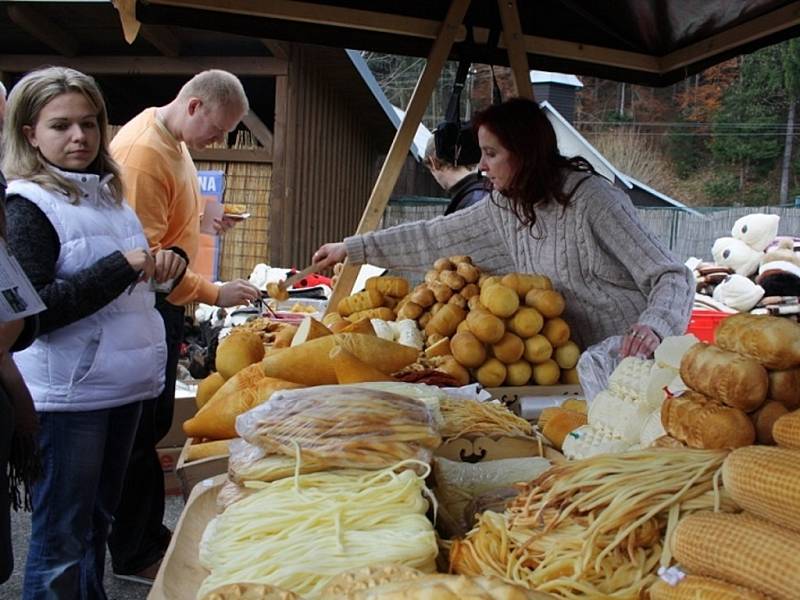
[466, 192]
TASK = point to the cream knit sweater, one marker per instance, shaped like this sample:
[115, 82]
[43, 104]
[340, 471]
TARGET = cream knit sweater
[612, 271]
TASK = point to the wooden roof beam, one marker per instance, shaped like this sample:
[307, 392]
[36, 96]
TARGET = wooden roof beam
[162, 38]
[259, 130]
[35, 23]
[770, 23]
[231, 155]
[309, 12]
[278, 49]
[148, 65]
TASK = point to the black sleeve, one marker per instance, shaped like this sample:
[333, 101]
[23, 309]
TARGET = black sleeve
[29, 333]
[34, 242]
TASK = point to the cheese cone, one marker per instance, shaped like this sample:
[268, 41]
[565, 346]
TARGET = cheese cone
[309, 329]
[217, 420]
[207, 450]
[351, 370]
[240, 349]
[310, 363]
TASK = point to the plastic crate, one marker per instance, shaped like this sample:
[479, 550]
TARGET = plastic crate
[703, 323]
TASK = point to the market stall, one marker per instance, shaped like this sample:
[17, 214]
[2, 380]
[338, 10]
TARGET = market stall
[352, 442]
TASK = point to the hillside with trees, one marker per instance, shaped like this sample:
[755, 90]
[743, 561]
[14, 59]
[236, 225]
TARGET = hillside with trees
[722, 137]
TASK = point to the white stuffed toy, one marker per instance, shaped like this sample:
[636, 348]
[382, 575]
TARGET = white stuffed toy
[736, 254]
[739, 292]
[756, 230]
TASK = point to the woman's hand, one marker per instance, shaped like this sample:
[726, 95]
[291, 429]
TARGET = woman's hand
[640, 341]
[168, 266]
[142, 262]
[329, 254]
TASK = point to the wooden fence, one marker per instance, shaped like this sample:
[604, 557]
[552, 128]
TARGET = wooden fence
[685, 233]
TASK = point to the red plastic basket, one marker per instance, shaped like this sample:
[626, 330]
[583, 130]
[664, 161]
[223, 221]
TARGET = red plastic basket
[703, 323]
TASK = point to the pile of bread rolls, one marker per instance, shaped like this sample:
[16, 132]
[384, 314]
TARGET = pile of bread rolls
[497, 330]
[739, 386]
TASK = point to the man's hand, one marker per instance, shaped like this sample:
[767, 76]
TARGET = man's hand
[223, 224]
[169, 265]
[239, 291]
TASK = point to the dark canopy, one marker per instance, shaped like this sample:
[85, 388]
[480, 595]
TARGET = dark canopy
[651, 42]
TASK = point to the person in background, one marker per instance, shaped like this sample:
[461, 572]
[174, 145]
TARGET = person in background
[100, 350]
[463, 183]
[19, 464]
[555, 216]
[161, 185]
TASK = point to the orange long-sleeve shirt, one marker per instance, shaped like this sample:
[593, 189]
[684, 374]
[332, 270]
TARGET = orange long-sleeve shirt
[161, 185]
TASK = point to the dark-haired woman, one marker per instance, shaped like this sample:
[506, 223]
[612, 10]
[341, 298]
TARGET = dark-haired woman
[552, 215]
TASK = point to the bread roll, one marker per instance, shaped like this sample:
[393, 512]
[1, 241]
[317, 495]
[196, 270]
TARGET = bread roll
[250, 591]
[700, 422]
[772, 341]
[449, 587]
[784, 386]
[764, 418]
[735, 380]
[310, 363]
[344, 585]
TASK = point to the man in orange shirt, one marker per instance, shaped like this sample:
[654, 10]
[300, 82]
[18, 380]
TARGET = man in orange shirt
[161, 185]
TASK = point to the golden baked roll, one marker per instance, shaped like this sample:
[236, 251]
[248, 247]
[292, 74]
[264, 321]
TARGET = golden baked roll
[772, 341]
[731, 378]
[784, 386]
[704, 423]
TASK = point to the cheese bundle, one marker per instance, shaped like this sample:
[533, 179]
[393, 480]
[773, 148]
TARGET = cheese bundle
[342, 426]
[619, 415]
[299, 533]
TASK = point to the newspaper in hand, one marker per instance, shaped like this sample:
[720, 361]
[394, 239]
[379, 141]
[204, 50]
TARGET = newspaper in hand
[18, 298]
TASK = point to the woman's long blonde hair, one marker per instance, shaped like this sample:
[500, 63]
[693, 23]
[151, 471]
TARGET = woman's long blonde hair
[25, 102]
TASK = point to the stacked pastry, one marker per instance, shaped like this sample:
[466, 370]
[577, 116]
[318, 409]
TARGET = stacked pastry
[739, 386]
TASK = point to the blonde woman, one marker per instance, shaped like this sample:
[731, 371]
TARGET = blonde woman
[101, 348]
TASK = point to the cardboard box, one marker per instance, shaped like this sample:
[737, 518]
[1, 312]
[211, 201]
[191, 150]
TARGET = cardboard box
[185, 408]
[168, 457]
[480, 448]
[191, 473]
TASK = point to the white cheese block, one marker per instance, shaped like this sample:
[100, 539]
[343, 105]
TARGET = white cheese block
[623, 416]
[587, 441]
[382, 329]
[630, 377]
[652, 430]
[671, 350]
[660, 377]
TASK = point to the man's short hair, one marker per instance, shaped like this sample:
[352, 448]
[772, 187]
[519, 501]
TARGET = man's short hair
[216, 88]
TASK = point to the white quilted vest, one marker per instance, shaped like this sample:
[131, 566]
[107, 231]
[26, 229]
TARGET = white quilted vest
[116, 355]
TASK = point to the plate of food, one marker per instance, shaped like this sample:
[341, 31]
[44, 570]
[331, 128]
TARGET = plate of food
[237, 212]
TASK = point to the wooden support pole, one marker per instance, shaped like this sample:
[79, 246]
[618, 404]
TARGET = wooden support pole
[515, 45]
[259, 130]
[402, 139]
